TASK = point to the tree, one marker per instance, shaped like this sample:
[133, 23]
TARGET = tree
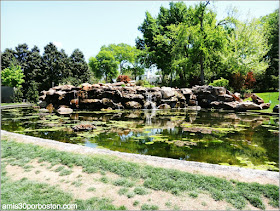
[33, 75]
[56, 66]
[183, 41]
[201, 15]
[12, 76]
[104, 65]
[270, 78]
[78, 67]
[7, 57]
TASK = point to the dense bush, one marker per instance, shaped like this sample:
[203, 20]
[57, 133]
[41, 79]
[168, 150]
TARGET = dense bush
[220, 82]
[12, 76]
[123, 78]
[144, 83]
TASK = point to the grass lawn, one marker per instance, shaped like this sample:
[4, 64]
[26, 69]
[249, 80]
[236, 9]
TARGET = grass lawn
[135, 184]
[5, 104]
[268, 97]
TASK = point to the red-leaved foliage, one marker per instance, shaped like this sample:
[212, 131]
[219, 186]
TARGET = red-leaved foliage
[123, 78]
[249, 80]
[237, 81]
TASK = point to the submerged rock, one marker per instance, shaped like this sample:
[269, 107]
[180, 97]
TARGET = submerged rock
[64, 110]
[83, 127]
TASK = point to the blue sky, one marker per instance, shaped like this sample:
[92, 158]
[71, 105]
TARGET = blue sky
[88, 25]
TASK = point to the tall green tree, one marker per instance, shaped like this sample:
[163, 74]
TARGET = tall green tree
[78, 66]
[104, 65]
[123, 53]
[7, 57]
[270, 78]
[183, 41]
[56, 66]
[245, 51]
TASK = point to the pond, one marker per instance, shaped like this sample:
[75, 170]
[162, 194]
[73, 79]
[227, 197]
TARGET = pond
[240, 139]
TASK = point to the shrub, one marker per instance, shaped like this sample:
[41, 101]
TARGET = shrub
[123, 78]
[12, 76]
[144, 83]
[237, 81]
[220, 82]
[249, 80]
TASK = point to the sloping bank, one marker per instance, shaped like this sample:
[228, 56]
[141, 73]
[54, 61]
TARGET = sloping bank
[190, 179]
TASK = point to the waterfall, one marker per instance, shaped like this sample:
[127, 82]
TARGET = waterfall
[149, 103]
[149, 116]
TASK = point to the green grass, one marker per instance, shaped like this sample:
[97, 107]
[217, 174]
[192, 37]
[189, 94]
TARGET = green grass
[5, 104]
[130, 194]
[60, 168]
[267, 97]
[149, 207]
[77, 183]
[123, 182]
[136, 203]
[123, 191]
[140, 191]
[174, 181]
[91, 189]
[65, 172]
[104, 179]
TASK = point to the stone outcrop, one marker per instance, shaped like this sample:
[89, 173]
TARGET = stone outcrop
[117, 96]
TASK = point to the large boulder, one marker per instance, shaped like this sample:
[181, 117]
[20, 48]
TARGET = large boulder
[276, 109]
[133, 105]
[256, 99]
[164, 106]
[186, 91]
[167, 92]
[140, 90]
[248, 106]
[133, 97]
[108, 102]
[95, 104]
[130, 90]
[229, 105]
[265, 105]
[225, 98]
[237, 97]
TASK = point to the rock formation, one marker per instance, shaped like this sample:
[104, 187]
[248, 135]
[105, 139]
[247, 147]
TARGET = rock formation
[117, 96]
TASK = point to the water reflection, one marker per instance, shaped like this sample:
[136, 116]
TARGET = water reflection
[243, 139]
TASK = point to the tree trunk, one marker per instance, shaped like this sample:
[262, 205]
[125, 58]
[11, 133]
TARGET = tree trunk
[201, 69]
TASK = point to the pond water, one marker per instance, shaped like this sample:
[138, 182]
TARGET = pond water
[241, 139]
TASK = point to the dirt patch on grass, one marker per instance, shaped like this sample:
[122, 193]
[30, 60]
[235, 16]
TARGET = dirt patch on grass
[227, 172]
[84, 186]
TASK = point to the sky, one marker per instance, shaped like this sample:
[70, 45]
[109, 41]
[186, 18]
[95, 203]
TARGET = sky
[87, 25]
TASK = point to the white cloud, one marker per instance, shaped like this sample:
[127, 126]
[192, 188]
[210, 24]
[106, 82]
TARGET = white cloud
[57, 44]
